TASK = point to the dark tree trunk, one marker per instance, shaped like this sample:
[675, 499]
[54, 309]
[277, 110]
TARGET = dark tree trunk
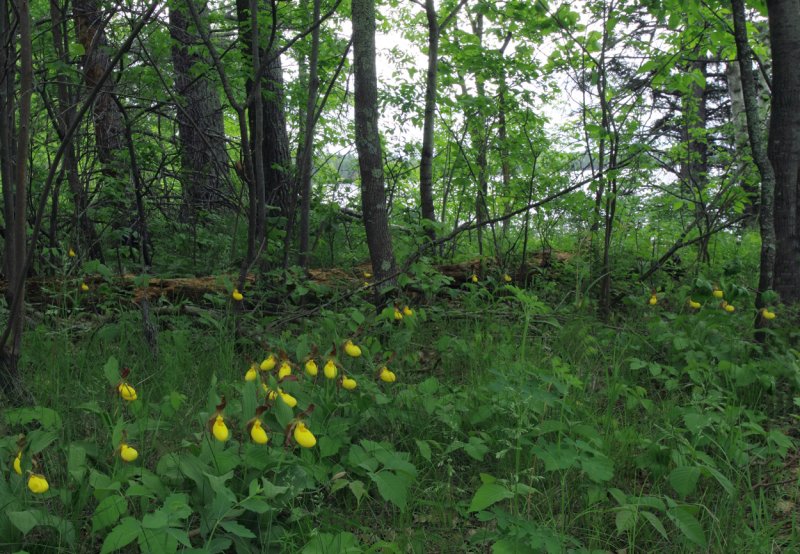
[7, 127]
[306, 156]
[784, 143]
[759, 149]
[200, 125]
[278, 178]
[9, 357]
[694, 169]
[108, 124]
[66, 113]
[426, 158]
[370, 156]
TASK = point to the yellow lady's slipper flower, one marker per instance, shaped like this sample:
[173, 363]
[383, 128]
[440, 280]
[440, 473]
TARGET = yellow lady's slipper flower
[408, 312]
[474, 278]
[128, 453]
[18, 463]
[258, 434]
[287, 398]
[717, 293]
[766, 314]
[303, 436]
[268, 363]
[236, 295]
[694, 305]
[38, 484]
[220, 430]
[729, 308]
[71, 253]
[127, 392]
[349, 384]
[387, 376]
[351, 349]
[251, 373]
[311, 368]
[507, 278]
[330, 370]
[653, 300]
[367, 275]
[84, 287]
[398, 315]
[284, 371]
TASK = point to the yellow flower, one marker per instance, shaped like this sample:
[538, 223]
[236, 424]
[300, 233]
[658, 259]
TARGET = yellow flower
[653, 300]
[387, 376]
[128, 453]
[311, 368]
[348, 383]
[766, 314]
[127, 392]
[351, 349]
[258, 434]
[287, 398]
[38, 484]
[71, 253]
[507, 278]
[474, 278]
[285, 370]
[330, 370]
[718, 293]
[251, 373]
[18, 463]
[398, 315]
[729, 308]
[220, 430]
[367, 275]
[694, 305]
[268, 363]
[303, 436]
[236, 295]
[84, 287]
[408, 312]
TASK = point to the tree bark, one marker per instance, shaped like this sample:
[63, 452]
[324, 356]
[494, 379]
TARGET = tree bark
[426, 157]
[200, 125]
[368, 145]
[784, 143]
[760, 156]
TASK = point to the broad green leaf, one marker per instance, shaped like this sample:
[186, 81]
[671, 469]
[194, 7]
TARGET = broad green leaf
[655, 522]
[688, 525]
[111, 371]
[237, 529]
[24, 520]
[121, 535]
[392, 487]
[108, 512]
[684, 479]
[487, 495]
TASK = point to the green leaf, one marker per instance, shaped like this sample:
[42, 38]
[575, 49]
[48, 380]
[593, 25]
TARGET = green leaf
[476, 448]
[39, 440]
[25, 520]
[111, 371]
[626, 518]
[327, 543]
[121, 535]
[684, 479]
[424, 449]
[688, 525]
[599, 468]
[76, 462]
[47, 418]
[487, 495]
[392, 487]
[655, 522]
[108, 512]
[237, 529]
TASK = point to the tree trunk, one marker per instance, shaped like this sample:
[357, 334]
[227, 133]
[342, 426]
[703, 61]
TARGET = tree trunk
[66, 113]
[7, 127]
[368, 145]
[426, 157]
[784, 143]
[9, 366]
[757, 144]
[278, 178]
[108, 124]
[200, 127]
[306, 156]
